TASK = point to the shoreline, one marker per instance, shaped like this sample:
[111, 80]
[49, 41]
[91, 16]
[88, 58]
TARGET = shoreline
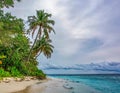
[14, 86]
[49, 85]
[54, 85]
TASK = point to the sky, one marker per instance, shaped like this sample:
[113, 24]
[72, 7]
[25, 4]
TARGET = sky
[87, 34]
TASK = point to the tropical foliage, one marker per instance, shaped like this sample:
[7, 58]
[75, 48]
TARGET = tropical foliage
[7, 3]
[17, 55]
[43, 46]
[42, 25]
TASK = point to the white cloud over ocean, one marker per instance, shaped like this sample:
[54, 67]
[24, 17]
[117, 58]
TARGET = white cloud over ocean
[86, 30]
[102, 67]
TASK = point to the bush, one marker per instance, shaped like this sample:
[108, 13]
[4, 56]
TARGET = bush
[39, 74]
[29, 69]
[4, 73]
[15, 72]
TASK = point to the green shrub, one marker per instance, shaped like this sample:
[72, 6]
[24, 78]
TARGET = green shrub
[4, 73]
[29, 69]
[15, 72]
[39, 74]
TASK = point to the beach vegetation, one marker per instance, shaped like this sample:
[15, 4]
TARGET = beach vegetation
[4, 73]
[17, 56]
[41, 26]
[7, 3]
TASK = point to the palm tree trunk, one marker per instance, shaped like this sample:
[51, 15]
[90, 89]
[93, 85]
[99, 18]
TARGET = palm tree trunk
[33, 44]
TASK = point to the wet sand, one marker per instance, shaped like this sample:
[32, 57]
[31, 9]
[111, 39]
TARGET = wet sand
[51, 86]
[58, 86]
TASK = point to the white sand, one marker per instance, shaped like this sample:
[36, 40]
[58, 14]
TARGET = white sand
[13, 86]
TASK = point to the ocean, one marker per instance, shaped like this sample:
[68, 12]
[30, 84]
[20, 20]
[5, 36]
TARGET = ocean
[95, 83]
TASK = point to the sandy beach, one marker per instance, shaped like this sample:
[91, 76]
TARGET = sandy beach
[58, 86]
[14, 86]
[48, 86]
[34, 86]
[45, 86]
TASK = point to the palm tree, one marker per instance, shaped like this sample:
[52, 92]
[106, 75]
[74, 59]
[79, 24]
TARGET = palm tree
[41, 24]
[43, 46]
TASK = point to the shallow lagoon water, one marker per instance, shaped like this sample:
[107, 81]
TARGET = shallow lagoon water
[94, 83]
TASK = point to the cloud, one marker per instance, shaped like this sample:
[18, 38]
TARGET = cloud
[86, 30]
[96, 67]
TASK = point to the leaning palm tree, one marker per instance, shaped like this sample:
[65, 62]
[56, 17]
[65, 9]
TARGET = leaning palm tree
[43, 46]
[40, 25]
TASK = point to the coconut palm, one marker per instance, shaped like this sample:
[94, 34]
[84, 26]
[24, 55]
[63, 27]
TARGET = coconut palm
[43, 46]
[40, 25]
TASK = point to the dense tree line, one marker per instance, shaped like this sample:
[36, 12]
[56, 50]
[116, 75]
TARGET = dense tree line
[17, 54]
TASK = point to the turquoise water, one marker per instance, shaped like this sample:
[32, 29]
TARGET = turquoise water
[102, 83]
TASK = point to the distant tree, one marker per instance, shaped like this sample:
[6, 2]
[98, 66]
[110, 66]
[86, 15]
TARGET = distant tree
[41, 24]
